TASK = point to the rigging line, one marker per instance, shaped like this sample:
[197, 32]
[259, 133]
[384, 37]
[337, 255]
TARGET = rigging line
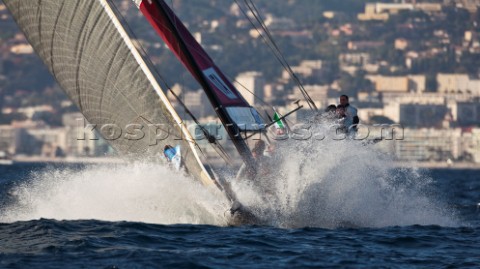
[261, 34]
[269, 39]
[211, 139]
[199, 53]
[147, 59]
[260, 20]
[174, 22]
[253, 9]
[145, 54]
[139, 46]
[218, 147]
[274, 50]
[265, 40]
[256, 13]
[190, 47]
[227, 77]
[240, 145]
[251, 92]
[282, 115]
[264, 102]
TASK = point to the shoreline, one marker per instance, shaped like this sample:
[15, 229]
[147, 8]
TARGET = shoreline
[69, 160]
[438, 165]
[116, 160]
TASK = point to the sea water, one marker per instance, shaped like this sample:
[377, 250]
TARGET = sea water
[349, 208]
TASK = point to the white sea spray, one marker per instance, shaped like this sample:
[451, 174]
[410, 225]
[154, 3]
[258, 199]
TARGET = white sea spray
[333, 183]
[140, 192]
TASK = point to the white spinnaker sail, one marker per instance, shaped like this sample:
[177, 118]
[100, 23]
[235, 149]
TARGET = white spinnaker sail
[95, 62]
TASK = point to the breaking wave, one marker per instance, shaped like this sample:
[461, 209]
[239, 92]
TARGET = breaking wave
[342, 183]
[138, 192]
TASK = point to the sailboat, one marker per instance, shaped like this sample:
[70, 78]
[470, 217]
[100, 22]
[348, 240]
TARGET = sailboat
[93, 58]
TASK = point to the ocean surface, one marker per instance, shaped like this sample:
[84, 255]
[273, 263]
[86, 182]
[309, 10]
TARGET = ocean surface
[144, 216]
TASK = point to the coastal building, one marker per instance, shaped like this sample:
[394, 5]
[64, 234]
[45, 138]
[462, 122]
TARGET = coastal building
[21, 49]
[329, 14]
[82, 139]
[46, 142]
[251, 86]
[439, 145]
[467, 113]
[358, 59]
[382, 11]
[401, 44]
[426, 115]
[473, 148]
[309, 71]
[32, 110]
[470, 5]
[306, 69]
[389, 84]
[30, 138]
[195, 101]
[3, 12]
[459, 109]
[398, 84]
[458, 83]
[427, 109]
[364, 45]
[274, 93]
[392, 8]
[429, 7]
[177, 90]
[318, 93]
[8, 136]
[278, 23]
[429, 145]
[371, 13]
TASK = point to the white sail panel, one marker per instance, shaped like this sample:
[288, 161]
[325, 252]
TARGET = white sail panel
[93, 59]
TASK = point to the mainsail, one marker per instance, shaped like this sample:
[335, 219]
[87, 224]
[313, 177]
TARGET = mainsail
[95, 62]
[232, 109]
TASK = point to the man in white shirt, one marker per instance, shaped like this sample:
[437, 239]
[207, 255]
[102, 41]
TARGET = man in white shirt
[351, 119]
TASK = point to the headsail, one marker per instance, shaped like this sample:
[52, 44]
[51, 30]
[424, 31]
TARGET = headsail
[234, 112]
[93, 59]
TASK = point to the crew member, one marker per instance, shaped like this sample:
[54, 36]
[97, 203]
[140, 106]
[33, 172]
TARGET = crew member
[351, 119]
[261, 161]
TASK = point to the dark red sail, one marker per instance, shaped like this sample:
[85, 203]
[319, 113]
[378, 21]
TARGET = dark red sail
[197, 61]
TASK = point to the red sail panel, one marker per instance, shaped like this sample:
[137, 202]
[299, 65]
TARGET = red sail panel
[225, 92]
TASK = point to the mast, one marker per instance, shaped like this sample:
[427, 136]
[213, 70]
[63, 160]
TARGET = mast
[213, 85]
